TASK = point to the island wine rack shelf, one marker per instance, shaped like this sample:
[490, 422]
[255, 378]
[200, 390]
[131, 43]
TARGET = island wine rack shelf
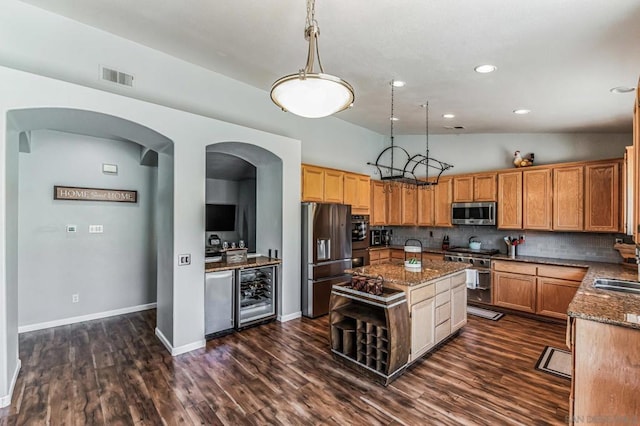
[370, 333]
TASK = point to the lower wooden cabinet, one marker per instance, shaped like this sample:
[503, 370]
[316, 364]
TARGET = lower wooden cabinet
[437, 310]
[605, 380]
[458, 306]
[536, 288]
[423, 335]
[554, 296]
[514, 291]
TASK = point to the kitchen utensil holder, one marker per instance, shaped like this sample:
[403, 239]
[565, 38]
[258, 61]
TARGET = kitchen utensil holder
[512, 252]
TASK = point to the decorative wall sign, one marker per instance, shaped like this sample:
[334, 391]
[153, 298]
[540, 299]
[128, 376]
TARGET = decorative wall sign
[94, 194]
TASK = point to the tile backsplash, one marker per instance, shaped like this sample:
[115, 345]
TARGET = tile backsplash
[558, 245]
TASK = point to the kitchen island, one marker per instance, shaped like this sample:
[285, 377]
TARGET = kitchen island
[603, 333]
[435, 300]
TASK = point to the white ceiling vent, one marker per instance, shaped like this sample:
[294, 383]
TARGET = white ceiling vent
[115, 76]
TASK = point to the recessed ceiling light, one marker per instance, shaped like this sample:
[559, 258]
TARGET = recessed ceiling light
[394, 118]
[484, 69]
[622, 89]
[448, 115]
[521, 111]
[398, 83]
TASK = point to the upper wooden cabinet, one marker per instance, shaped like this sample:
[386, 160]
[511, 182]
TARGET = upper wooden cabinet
[357, 190]
[378, 214]
[312, 183]
[443, 196]
[537, 199]
[333, 186]
[410, 205]
[568, 198]
[636, 168]
[510, 200]
[477, 187]
[394, 204]
[426, 214]
[462, 189]
[602, 197]
[324, 185]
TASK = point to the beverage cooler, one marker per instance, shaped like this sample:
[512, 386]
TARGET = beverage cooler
[256, 295]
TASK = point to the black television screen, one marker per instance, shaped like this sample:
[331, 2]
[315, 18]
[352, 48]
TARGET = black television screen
[221, 217]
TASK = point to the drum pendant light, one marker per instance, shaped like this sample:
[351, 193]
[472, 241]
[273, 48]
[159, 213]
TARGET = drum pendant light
[309, 94]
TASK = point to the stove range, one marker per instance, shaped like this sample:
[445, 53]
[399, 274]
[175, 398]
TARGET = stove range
[478, 258]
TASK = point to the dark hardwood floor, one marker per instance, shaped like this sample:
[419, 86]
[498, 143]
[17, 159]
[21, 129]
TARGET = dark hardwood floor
[115, 371]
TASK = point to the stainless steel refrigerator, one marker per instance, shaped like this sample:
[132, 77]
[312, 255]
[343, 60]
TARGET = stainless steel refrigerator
[326, 253]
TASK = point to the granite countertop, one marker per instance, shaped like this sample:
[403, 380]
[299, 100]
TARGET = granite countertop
[424, 249]
[591, 303]
[396, 273]
[252, 262]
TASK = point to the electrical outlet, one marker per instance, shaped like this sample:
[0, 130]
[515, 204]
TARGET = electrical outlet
[72, 228]
[96, 229]
[431, 233]
[184, 259]
[618, 240]
[75, 298]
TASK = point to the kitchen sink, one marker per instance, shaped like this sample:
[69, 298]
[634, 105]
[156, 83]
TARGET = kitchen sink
[617, 285]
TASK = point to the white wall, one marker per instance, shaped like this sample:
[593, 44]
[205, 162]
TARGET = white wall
[478, 152]
[183, 220]
[112, 270]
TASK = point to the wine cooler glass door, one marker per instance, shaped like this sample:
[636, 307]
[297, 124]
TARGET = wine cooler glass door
[256, 295]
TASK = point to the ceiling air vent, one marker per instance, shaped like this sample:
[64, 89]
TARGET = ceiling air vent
[115, 76]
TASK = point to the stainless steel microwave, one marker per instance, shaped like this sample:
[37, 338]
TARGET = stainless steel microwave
[473, 213]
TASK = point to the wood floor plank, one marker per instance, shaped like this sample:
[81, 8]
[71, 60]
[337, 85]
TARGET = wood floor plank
[116, 371]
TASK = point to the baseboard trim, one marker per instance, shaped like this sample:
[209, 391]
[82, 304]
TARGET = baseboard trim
[5, 401]
[289, 317]
[82, 318]
[180, 349]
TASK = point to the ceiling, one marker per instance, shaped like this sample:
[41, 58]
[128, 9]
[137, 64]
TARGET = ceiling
[557, 58]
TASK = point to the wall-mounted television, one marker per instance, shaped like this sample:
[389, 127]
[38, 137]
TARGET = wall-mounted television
[221, 217]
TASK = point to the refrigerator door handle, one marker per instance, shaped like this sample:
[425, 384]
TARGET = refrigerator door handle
[323, 249]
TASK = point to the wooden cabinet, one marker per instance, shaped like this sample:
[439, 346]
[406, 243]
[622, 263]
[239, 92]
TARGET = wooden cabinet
[394, 204]
[320, 184]
[514, 291]
[443, 196]
[536, 288]
[510, 200]
[478, 187]
[423, 335]
[410, 205]
[357, 190]
[379, 255]
[537, 199]
[312, 183]
[554, 295]
[568, 198]
[458, 305]
[605, 380]
[426, 216]
[437, 309]
[484, 187]
[370, 333]
[333, 186]
[462, 189]
[396, 254]
[636, 167]
[602, 197]
[378, 215]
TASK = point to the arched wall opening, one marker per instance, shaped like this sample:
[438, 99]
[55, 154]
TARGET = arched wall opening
[110, 272]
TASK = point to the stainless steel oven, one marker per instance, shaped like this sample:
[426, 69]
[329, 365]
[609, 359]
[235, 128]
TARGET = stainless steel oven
[359, 232]
[359, 257]
[479, 285]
